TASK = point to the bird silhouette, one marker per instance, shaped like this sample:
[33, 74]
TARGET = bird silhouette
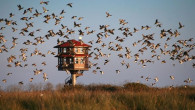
[69, 4]
[180, 25]
[172, 77]
[108, 14]
[117, 71]
[4, 80]
[20, 7]
[44, 2]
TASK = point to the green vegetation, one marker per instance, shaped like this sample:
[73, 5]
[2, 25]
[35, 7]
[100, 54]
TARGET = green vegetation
[130, 96]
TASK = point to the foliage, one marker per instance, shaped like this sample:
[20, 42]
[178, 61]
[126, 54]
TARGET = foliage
[130, 96]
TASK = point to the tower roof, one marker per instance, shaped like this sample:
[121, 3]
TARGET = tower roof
[73, 43]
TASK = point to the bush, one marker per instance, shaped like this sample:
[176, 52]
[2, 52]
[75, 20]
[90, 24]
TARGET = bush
[136, 87]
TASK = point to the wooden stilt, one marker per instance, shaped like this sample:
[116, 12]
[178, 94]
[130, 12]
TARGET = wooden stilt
[73, 76]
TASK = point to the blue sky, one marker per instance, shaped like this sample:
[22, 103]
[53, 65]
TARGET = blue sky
[136, 12]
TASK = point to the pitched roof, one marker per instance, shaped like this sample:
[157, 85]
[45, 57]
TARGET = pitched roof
[73, 43]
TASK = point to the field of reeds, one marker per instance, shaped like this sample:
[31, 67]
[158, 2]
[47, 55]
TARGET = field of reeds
[130, 96]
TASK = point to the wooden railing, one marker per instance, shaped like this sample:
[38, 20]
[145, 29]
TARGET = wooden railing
[73, 67]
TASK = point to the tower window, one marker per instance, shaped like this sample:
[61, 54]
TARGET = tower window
[81, 49]
[64, 50]
[82, 61]
[65, 59]
[71, 61]
[76, 50]
[76, 60]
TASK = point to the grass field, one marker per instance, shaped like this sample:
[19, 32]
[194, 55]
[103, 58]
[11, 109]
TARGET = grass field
[130, 96]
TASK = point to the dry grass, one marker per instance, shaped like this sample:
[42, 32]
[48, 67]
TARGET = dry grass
[130, 96]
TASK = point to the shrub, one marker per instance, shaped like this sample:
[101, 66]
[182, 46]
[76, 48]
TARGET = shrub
[135, 87]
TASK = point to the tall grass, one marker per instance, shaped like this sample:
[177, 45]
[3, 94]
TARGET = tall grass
[130, 96]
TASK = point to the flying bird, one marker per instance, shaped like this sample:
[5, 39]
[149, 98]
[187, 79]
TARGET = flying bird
[20, 7]
[106, 61]
[44, 2]
[180, 25]
[45, 10]
[94, 71]
[9, 74]
[31, 79]
[20, 83]
[62, 12]
[45, 77]
[156, 79]
[4, 80]
[117, 71]
[80, 18]
[172, 77]
[70, 5]
[102, 72]
[11, 15]
[108, 14]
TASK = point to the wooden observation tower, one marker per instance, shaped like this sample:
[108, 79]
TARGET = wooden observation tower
[73, 58]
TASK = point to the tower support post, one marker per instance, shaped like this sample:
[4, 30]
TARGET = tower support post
[73, 77]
